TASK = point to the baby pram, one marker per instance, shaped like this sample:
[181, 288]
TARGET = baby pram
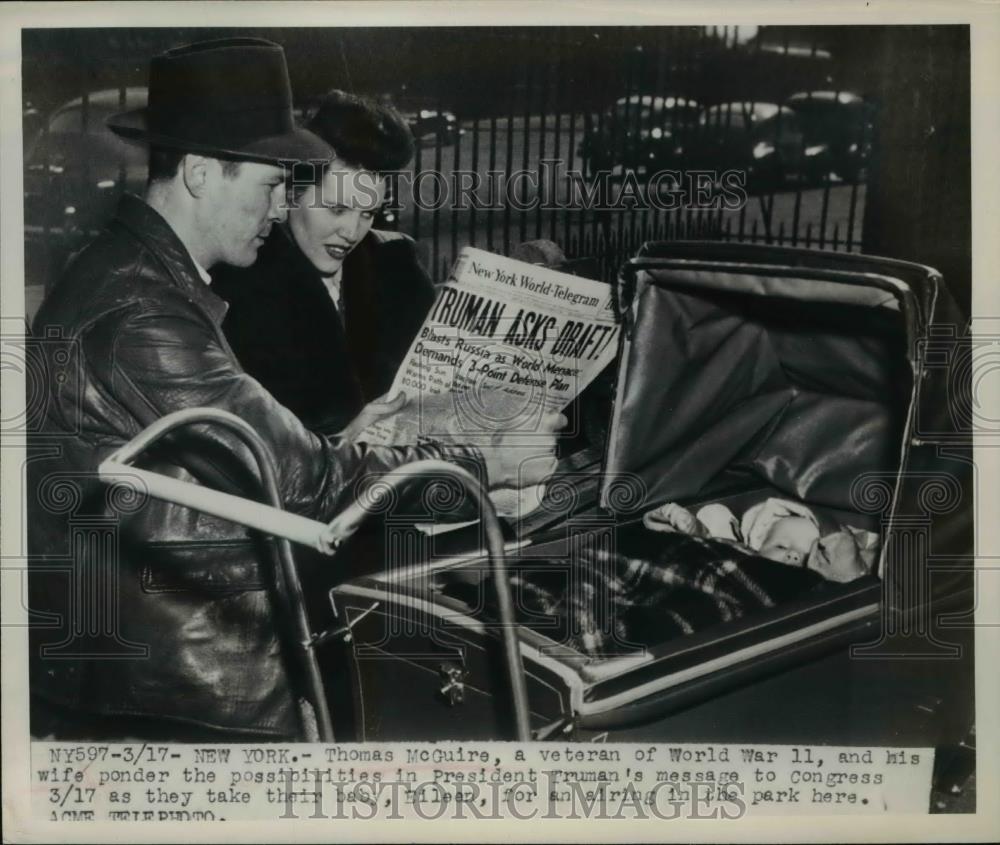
[744, 372]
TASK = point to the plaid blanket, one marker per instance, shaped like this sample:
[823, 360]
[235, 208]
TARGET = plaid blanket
[603, 602]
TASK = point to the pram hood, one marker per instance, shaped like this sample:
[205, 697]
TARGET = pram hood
[828, 378]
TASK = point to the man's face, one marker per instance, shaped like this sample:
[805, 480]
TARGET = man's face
[329, 220]
[242, 208]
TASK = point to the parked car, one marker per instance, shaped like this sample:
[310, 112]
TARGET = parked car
[75, 168]
[838, 129]
[765, 140]
[429, 125]
[643, 133]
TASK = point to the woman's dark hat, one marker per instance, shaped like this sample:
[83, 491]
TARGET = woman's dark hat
[229, 98]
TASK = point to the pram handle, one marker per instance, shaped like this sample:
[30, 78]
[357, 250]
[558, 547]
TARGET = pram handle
[326, 538]
[116, 469]
[348, 521]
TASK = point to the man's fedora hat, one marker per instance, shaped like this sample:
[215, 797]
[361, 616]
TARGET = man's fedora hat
[228, 98]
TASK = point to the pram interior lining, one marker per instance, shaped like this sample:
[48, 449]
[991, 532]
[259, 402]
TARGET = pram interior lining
[738, 394]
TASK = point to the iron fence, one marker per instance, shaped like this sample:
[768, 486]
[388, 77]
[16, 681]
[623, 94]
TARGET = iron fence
[522, 133]
[623, 88]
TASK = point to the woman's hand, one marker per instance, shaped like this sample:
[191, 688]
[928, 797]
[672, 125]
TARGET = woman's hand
[378, 409]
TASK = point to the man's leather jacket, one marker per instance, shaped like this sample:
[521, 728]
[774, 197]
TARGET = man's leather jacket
[141, 607]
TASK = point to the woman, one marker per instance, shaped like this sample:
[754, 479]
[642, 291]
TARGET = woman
[328, 311]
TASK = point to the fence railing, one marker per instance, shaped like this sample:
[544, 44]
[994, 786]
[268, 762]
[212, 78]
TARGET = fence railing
[556, 133]
[632, 103]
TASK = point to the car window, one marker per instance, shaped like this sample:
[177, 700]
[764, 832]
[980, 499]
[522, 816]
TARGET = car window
[634, 114]
[71, 120]
[69, 153]
[733, 118]
[784, 124]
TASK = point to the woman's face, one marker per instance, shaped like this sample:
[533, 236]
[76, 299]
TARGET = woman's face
[330, 219]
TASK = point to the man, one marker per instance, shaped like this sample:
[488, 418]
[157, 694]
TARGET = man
[152, 620]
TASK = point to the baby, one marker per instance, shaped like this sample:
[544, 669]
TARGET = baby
[779, 530]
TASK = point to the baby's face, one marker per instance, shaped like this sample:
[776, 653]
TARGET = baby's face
[795, 540]
[790, 540]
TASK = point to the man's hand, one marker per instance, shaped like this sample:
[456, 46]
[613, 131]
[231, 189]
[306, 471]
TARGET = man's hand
[378, 409]
[520, 458]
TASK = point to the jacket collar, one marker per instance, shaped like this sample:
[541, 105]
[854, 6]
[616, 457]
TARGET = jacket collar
[149, 227]
[292, 258]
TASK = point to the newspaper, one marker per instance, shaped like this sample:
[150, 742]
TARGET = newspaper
[504, 342]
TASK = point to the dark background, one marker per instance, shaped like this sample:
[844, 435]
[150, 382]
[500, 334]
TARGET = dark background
[482, 71]
[523, 93]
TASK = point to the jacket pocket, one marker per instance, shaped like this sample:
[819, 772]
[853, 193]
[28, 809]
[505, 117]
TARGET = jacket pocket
[210, 566]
